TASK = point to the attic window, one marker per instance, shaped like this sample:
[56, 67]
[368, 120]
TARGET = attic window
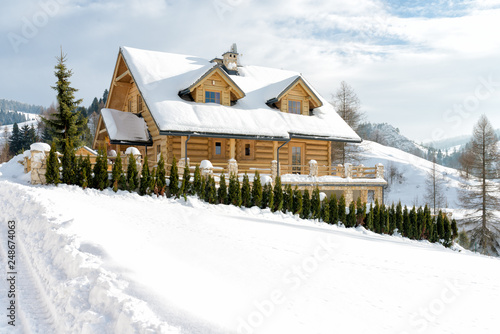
[139, 103]
[294, 107]
[212, 97]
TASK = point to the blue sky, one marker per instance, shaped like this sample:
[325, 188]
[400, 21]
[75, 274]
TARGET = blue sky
[427, 67]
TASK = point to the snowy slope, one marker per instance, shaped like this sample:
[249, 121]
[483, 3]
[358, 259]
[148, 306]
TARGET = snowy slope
[33, 119]
[99, 262]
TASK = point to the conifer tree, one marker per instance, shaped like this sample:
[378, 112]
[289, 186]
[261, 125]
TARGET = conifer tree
[173, 186]
[351, 216]
[197, 182]
[185, 185]
[382, 219]
[426, 229]
[78, 171]
[463, 239]
[210, 191]
[433, 234]
[246, 199]
[288, 199]
[392, 219]
[399, 218]
[297, 202]
[256, 190]
[360, 211]
[420, 223]
[306, 205]
[234, 193]
[160, 177]
[369, 219]
[334, 216]
[203, 190]
[15, 140]
[145, 181]
[406, 222]
[447, 238]
[440, 225]
[100, 180]
[454, 229]
[277, 195]
[341, 210]
[325, 211]
[52, 173]
[86, 172]
[267, 196]
[85, 179]
[116, 172]
[315, 204]
[68, 163]
[132, 174]
[67, 124]
[222, 191]
[412, 232]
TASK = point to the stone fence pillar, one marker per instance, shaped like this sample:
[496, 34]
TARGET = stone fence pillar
[206, 168]
[313, 168]
[181, 165]
[274, 169]
[38, 161]
[232, 167]
[347, 170]
[380, 171]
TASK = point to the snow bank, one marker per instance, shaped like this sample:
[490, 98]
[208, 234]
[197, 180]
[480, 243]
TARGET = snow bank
[43, 147]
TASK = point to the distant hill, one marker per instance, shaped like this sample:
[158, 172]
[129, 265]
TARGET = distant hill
[7, 105]
[388, 135]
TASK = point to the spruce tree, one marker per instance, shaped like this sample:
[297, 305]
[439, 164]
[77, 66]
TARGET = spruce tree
[447, 237]
[185, 185]
[15, 140]
[246, 199]
[256, 190]
[334, 215]
[341, 210]
[420, 223]
[85, 179]
[360, 211]
[399, 218]
[277, 195]
[197, 181]
[203, 190]
[52, 173]
[382, 219]
[440, 225]
[100, 180]
[412, 232]
[145, 181]
[315, 204]
[351, 216]
[116, 172]
[68, 164]
[369, 219]
[406, 222]
[86, 172]
[78, 171]
[297, 201]
[267, 196]
[306, 205]
[67, 124]
[222, 191]
[173, 186]
[234, 192]
[454, 229]
[392, 219]
[210, 191]
[132, 174]
[160, 178]
[288, 199]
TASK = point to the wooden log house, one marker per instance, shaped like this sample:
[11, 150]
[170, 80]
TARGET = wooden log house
[194, 109]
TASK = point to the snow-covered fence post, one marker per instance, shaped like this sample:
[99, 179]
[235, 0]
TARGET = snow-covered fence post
[274, 169]
[232, 167]
[27, 161]
[380, 171]
[313, 168]
[137, 157]
[206, 168]
[38, 162]
[347, 170]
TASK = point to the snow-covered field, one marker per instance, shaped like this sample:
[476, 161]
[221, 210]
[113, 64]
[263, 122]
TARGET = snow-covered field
[32, 120]
[100, 262]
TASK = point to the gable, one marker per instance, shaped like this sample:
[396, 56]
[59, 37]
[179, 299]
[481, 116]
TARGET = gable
[297, 91]
[120, 84]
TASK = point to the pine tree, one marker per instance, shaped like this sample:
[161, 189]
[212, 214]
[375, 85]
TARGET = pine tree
[86, 172]
[78, 171]
[160, 177]
[15, 140]
[297, 202]
[392, 219]
[433, 234]
[116, 172]
[369, 219]
[412, 232]
[382, 219]
[234, 192]
[351, 216]
[315, 204]
[334, 214]
[447, 238]
[222, 191]
[440, 225]
[203, 190]
[185, 185]
[246, 199]
[132, 174]
[360, 211]
[68, 163]
[306, 205]
[420, 223]
[210, 191]
[341, 210]
[267, 196]
[52, 173]
[406, 222]
[288, 199]
[173, 186]
[277, 195]
[67, 124]
[256, 190]
[454, 229]
[197, 182]
[399, 218]
[85, 179]
[145, 181]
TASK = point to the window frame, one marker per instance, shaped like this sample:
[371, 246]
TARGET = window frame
[213, 143]
[299, 108]
[251, 144]
[139, 103]
[216, 93]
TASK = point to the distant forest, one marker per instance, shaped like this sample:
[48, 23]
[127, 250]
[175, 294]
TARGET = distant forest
[7, 117]
[6, 105]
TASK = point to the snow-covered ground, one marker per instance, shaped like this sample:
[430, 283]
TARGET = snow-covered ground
[32, 120]
[100, 262]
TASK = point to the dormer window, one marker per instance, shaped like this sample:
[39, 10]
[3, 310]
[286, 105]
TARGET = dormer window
[212, 97]
[294, 107]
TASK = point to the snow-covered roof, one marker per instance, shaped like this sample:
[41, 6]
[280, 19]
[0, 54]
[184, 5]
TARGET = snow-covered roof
[161, 76]
[125, 126]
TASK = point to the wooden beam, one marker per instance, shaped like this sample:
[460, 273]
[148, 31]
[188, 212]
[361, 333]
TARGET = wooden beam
[232, 148]
[122, 84]
[102, 131]
[123, 75]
